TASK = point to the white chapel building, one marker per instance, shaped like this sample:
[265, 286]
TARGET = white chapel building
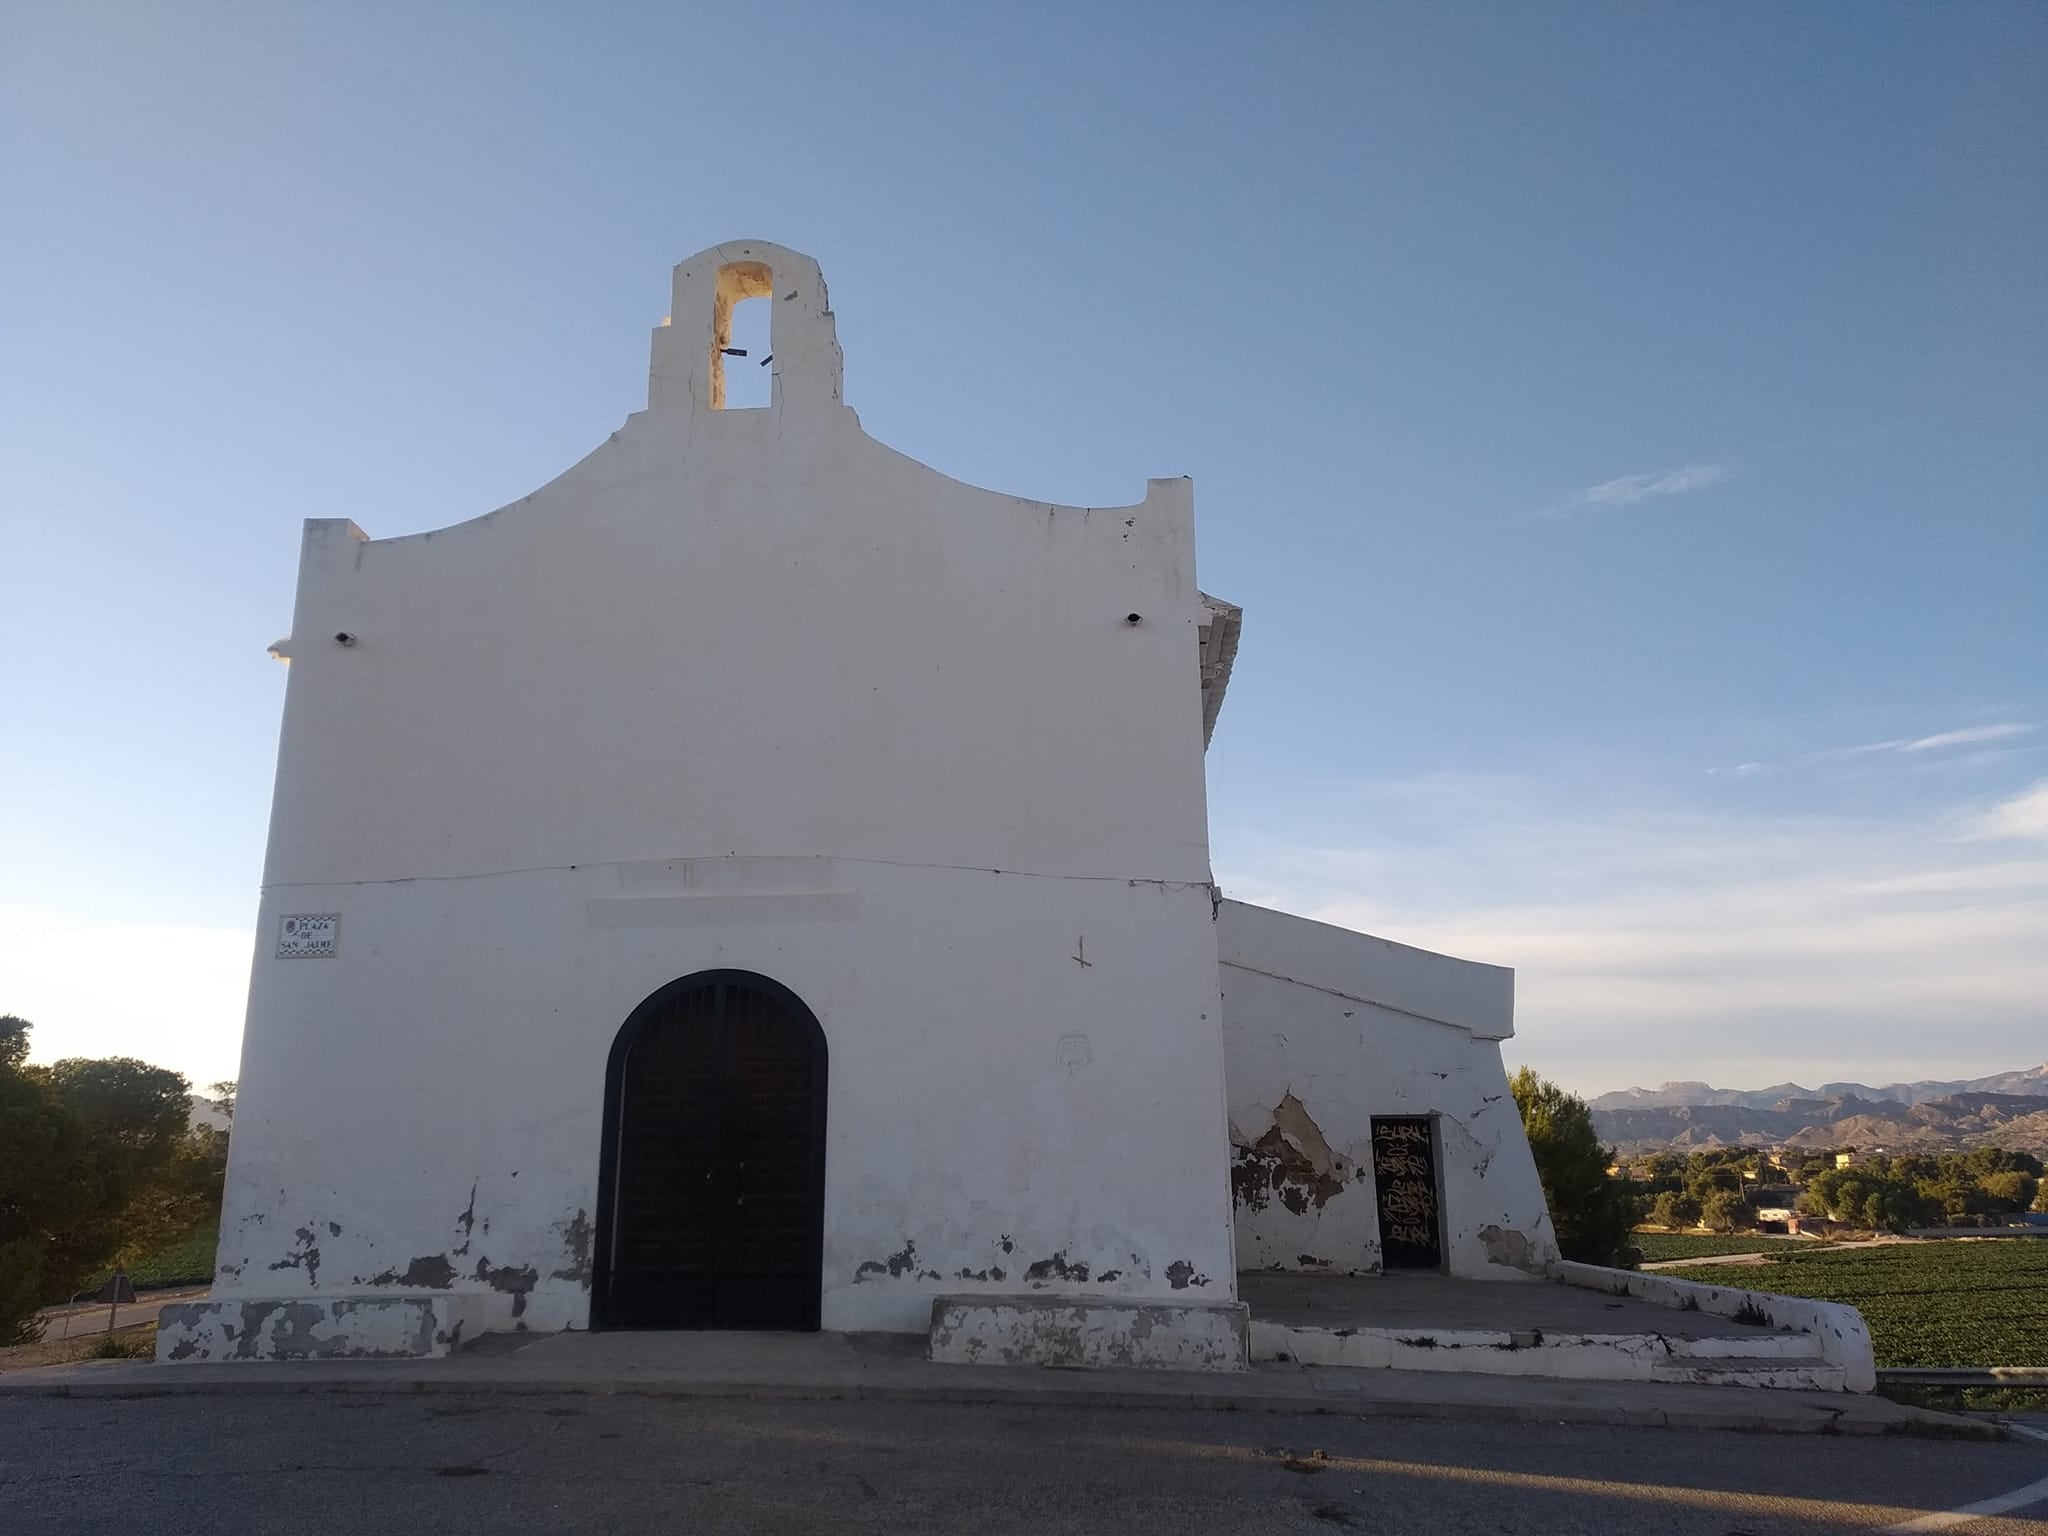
[758, 881]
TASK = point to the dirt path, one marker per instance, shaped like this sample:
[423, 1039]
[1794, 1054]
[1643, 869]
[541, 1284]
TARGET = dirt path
[1760, 1258]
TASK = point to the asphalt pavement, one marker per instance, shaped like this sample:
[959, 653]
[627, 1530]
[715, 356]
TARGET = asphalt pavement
[309, 1464]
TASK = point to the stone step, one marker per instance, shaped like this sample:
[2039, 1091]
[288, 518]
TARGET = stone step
[1569, 1356]
[1758, 1346]
[1757, 1371]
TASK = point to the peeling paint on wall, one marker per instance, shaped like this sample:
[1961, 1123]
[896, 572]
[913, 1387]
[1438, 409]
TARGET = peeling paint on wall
[328, 1329]
[306, 1256]
[895, 1266]
[514, 1282]
[576, 1238]
[1506, 1246]
[1055, 1268]
[1292, 1160]
[428, 1272]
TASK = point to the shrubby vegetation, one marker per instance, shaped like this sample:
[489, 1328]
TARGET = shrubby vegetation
[99, 1161]
[1891, 1194]
[1718, 1187]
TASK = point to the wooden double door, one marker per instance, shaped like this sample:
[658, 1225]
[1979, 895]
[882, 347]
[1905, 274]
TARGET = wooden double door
[712, 1195]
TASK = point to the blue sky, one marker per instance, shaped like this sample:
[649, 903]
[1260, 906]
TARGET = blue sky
[1626, 428]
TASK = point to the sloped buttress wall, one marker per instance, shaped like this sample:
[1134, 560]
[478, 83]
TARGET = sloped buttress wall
[1324, 1029]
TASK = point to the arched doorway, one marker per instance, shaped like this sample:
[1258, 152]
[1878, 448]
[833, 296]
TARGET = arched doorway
[711, 1199]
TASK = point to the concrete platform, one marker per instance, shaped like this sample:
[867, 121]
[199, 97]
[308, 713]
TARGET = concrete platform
[1435, 1323]
[891, 1367]
[1399, 1300]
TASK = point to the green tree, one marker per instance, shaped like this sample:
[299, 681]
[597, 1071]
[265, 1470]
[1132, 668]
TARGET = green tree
[53, 1180]
[140, 1107]
[1591, 1211]
[1675, 1209]
[1718, 1170]
[13, 1041]
[1723, 1210]
[139, 1119]
[1658, 1172]
[1984, 1161]
[2012, 1190]
[179, 1195]
[95, 1157]
[1870, 1195]
[1802, 1166]
[1958, 1199]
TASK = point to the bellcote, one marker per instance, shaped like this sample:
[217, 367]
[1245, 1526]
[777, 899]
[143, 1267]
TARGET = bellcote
[689, 361]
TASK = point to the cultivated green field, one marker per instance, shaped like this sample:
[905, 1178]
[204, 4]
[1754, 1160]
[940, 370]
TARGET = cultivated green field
[1953, 1302]
[188, 1261]
[1659, 1246]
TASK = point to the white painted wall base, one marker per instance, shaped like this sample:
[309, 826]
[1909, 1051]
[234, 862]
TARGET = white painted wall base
[1066, 1331]
[318, 1328]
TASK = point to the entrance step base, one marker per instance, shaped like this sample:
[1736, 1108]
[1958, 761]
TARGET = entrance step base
[1729, 1371]
[1751, 1359]
[1088, 1332]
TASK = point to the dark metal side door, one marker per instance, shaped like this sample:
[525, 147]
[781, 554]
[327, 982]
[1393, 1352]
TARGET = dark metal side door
[1404, 1175]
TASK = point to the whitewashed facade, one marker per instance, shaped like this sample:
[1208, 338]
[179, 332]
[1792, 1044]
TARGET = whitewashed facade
[746, 694]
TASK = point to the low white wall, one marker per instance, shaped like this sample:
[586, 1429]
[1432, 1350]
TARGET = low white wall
[1314, 1049]
[1844, 1339]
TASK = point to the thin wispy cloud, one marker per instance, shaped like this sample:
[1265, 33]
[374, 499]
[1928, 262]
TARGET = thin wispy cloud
[1656, 942]
[1630, 489]
[1969, 736]
[1966, 736]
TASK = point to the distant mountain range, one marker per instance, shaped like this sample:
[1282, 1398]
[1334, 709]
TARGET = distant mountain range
[2008, 1109]
[2027, 1082]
